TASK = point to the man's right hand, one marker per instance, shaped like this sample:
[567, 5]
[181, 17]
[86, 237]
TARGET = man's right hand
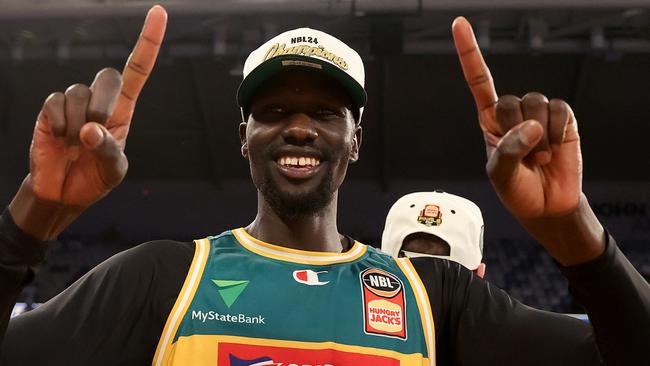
[534, 159]
[77, 153]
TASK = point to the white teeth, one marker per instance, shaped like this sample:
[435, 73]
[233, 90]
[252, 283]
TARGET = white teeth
[298, 161]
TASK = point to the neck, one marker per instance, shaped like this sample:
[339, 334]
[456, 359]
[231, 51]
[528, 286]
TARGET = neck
[317, 232]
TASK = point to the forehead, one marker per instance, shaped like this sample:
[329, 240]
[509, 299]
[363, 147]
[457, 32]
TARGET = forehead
[294, 81]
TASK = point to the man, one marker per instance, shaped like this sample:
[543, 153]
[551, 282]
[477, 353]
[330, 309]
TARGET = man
[435, 224]
[288, 288]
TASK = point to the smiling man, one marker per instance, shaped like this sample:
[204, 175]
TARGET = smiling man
[289, 288]
[299, 137]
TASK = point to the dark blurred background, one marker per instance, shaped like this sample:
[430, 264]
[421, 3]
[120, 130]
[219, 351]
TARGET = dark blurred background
[187, 179]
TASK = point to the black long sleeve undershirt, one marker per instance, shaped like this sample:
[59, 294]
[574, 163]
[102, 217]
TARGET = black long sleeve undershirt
[479, 324]
[115, 314]
[18, 252]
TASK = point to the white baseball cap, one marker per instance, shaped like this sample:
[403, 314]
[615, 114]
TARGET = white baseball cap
[304, 48]
[455, 219]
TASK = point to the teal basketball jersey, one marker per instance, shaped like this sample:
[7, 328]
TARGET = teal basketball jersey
[246, 302]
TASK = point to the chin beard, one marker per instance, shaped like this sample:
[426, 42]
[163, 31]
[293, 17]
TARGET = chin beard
[296, 206]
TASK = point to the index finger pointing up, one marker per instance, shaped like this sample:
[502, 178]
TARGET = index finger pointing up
[476, 72]
[140, 63]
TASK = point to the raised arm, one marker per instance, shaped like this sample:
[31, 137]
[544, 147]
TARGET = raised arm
[535, 165]
[77, 153]
[76, 158]
[534, 160]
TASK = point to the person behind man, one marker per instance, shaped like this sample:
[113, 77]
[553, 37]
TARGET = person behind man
[436, 224]
[289, 288]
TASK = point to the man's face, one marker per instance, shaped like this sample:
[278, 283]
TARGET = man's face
[299, 138]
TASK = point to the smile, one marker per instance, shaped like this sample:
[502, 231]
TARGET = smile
[298, 167]
[298, 161]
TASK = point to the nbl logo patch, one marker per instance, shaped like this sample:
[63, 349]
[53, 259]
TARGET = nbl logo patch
[383, 303]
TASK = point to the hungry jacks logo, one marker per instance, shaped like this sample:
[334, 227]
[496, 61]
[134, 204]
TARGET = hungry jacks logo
[383, 303]
[306, 50]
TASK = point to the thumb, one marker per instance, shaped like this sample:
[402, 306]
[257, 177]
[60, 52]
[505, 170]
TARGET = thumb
[111, 161]
[512, 149]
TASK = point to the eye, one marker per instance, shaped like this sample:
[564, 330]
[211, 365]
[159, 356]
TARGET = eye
[328, 114]
[270, 113]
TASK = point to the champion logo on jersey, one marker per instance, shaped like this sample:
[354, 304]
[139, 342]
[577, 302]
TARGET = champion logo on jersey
[309, 277]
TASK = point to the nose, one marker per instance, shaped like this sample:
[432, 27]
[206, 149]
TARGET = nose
[299, 129]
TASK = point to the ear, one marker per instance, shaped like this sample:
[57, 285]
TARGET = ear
[356, 144]
[480, 270]
[242, 139]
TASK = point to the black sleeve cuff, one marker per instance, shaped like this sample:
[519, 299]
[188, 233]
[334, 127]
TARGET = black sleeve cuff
[16, 246]
[617, 299]
[609, 283]
[593, 267]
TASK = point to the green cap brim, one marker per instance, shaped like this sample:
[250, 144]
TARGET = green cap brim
[274, 65]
